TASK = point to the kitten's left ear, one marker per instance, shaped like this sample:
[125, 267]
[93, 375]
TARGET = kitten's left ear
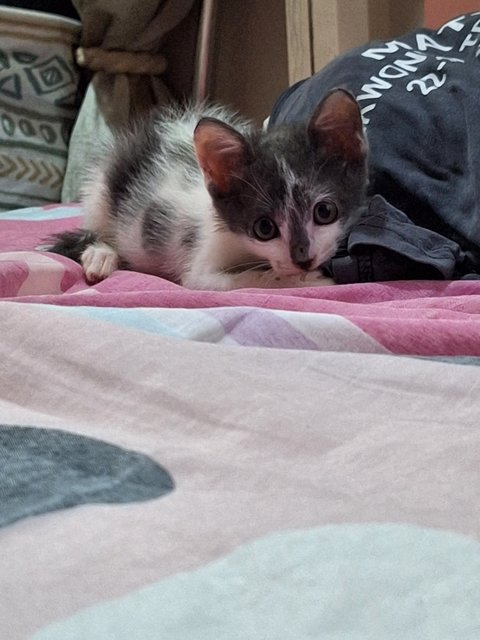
[336, 125]
[222, 153]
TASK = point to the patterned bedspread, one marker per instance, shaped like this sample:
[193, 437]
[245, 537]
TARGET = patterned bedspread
[187, 465]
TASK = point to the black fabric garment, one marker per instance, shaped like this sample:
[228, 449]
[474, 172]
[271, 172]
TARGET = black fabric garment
[420, 102]
[58, 7]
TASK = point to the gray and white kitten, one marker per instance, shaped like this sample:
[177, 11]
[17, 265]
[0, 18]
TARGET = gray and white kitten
[200, 198]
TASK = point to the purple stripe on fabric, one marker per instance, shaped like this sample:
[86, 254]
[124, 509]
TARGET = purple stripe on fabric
[258, 327]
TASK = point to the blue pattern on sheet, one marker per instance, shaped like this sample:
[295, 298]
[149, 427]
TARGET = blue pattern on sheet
[174, 323]
[32, 214]
[354, 582]
[245, 326]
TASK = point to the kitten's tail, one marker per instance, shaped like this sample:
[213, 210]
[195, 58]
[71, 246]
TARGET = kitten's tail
[70, 244]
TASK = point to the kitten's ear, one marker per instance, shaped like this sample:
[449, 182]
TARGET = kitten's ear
[336, 125]
[222, 153]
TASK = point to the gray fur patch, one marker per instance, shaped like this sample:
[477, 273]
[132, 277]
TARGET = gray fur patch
[157, 226]
[189, 238]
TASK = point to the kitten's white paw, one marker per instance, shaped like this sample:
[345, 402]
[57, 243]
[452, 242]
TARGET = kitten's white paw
[99, 260]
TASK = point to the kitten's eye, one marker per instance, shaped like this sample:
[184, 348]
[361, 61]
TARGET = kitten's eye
[265, 229]
[325, 212]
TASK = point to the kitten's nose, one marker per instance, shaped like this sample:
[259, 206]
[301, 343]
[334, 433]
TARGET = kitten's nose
[305, 265]
[300, 257]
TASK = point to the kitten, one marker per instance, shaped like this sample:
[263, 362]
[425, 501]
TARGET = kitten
[200, 198]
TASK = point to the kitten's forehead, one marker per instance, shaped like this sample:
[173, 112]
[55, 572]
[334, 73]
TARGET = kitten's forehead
[289, 154]
[290, 145]
[302, 190]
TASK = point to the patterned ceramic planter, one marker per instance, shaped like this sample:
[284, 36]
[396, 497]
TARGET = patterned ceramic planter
[38, 104]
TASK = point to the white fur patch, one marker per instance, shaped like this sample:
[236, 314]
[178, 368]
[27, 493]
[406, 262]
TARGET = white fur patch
[96, 204]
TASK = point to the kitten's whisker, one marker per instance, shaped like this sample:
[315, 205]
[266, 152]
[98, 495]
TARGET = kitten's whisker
[263, 196]
[219, 225]
[251, 266]
[271, 279]
[268, 205]
[261, 189]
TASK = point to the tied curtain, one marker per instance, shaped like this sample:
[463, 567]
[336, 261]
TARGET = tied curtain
[120, 45]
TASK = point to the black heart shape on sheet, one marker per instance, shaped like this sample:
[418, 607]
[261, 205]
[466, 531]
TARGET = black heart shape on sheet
[44, 470]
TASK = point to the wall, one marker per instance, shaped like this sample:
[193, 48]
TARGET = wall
[437, 12]
[263, 46]
[250, 56]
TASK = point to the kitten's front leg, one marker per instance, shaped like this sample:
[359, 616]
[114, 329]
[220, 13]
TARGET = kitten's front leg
[254, 279]
[313, 279]
[208, 281]
[269, 280]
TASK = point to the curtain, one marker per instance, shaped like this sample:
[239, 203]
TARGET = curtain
[120, 43]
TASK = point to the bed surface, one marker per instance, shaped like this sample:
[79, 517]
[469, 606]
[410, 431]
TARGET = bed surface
[252, 464]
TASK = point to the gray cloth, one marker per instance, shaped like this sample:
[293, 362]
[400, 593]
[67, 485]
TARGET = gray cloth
[386, 245]
[43, 470]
